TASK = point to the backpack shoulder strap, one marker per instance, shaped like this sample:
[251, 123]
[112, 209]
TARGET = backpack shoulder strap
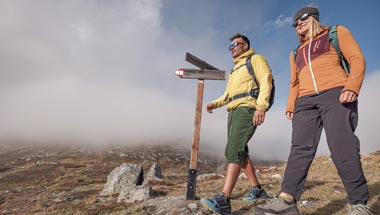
[248, 64]
[255, 92]
[294, 52]
[333, 38]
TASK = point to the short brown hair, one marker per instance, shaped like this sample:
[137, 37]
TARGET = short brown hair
[238, 35]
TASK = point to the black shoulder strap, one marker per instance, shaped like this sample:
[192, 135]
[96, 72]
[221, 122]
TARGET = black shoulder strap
[248, 64]
[294, 52]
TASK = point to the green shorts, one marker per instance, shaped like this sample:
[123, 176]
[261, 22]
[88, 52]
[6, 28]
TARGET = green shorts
[240, 131]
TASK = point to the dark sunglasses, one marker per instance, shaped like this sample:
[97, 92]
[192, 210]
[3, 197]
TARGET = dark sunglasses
[302, 18]
[233, 45]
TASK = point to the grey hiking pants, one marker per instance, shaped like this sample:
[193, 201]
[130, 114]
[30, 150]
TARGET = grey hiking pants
[311, 114]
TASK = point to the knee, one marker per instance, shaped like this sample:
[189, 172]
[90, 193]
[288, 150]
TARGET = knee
[236, 157]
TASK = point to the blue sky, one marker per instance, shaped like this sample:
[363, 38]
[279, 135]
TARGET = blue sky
[101, 72]
[268, 25]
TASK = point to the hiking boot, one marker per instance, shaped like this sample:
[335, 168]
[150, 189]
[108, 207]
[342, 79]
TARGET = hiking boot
[255, 194]
[277, 206]
[359, 209]
[219, 204]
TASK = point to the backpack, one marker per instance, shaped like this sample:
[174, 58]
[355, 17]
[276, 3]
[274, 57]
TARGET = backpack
[257, 90]
[333, 38]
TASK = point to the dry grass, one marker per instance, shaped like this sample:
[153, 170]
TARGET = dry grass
[324, 192]
[68, 180]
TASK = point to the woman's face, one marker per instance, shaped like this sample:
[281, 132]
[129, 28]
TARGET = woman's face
[303, 24]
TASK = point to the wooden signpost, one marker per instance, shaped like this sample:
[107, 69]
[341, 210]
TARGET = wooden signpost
[205, 72]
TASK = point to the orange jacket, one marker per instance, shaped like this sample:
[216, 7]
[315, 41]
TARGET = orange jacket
[317, 66]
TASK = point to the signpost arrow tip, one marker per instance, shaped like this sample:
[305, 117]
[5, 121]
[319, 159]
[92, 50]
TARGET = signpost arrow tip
[179, 73]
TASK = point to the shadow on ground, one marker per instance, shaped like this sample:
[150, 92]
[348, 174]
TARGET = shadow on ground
[337, 205]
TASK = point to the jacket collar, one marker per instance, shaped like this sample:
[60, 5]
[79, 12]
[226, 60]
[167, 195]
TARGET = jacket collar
[324, 31]
[250, 52]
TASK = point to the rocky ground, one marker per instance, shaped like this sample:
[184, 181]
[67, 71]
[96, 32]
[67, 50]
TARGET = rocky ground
[50, 179]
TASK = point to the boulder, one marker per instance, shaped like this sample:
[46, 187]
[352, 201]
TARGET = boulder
[154, 174]
[134, 194]
[123, 176]
[173, 205]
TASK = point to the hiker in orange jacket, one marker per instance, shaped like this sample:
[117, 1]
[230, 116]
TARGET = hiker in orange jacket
[322, 96]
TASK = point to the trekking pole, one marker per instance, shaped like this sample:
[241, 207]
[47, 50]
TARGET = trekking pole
[209, 72]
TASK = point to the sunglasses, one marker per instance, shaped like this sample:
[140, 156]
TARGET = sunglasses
[234, 44]
[302, 18]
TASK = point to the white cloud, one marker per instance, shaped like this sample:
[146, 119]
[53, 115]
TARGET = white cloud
[94, 72]
[83, 69]
[368, 113]
[280, 22]
[103, 72]
[73, 110]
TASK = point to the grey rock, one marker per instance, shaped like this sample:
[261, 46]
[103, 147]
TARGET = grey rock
[154, 171]
[209, 176]
[122, 176]
[172, 205]
[154, 174]
[134, 194]
[276, 176]
[243, 176]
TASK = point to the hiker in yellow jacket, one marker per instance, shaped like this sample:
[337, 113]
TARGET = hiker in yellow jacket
[240, 81]
[245, 114]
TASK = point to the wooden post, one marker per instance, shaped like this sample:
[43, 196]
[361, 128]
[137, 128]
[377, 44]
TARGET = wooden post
[192, 178]
[205, 72]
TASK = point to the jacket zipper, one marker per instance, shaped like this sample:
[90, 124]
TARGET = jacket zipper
[310, 68]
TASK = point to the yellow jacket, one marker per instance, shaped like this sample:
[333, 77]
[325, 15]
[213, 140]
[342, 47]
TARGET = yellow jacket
[240, 81]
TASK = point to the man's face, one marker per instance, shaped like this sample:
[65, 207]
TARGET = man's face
[238, 47]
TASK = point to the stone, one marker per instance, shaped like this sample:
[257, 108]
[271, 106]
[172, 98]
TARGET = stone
[122, 176]
[171, 205]
[154, 174]
[276, 176]
[134, 194]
